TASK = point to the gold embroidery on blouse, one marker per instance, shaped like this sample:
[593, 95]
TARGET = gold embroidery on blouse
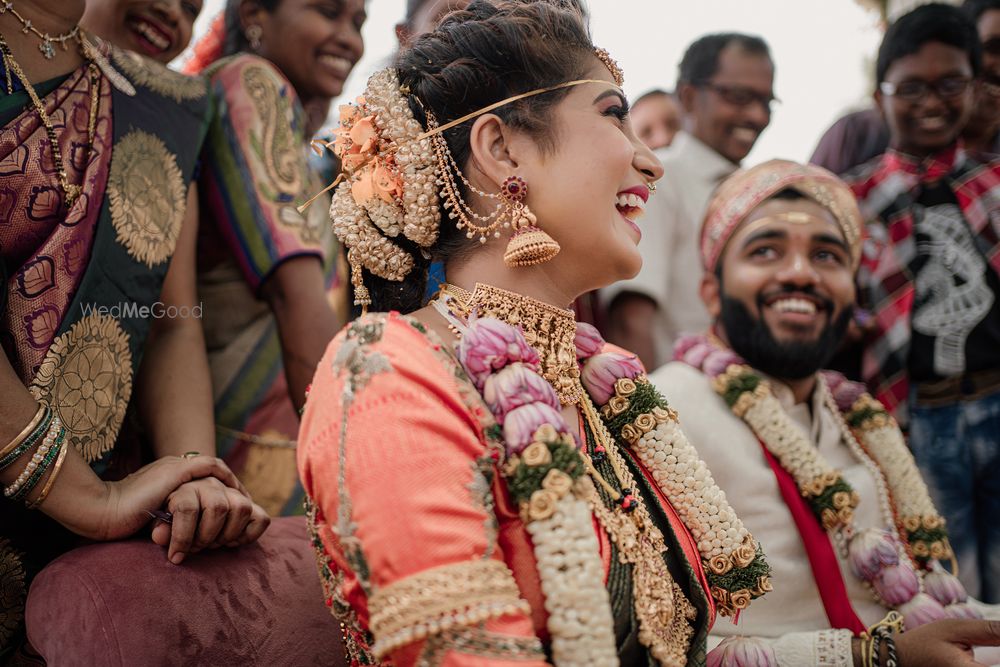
[441, 598]
[160, 79]
[277, 148]
[357, 640]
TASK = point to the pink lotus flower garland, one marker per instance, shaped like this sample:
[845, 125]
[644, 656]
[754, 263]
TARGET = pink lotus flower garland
[588, 341]
[489, 345]
[602, 371]
[514, 386]
[547, 479]
[870, 551]
[742, 652]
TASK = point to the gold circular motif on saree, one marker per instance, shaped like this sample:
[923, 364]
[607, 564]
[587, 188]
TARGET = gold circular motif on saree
[158, 78]
[12, 592]
[146, 191]
[86, 377]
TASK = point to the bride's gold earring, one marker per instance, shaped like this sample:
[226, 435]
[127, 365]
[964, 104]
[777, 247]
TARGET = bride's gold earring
[529, 245]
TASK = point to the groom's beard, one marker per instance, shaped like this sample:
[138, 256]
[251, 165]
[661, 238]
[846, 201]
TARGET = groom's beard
[751, 338]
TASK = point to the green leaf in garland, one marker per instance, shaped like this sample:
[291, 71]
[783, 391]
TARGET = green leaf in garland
[740, 578]
[645, 398]
[857, 418]
[738, 386]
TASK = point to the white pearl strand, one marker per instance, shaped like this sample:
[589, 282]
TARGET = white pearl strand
[36, 458]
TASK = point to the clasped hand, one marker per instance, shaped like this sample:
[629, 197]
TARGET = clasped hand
[207, 514]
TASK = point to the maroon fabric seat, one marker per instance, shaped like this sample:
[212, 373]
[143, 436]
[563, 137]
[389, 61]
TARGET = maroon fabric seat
[123, 605]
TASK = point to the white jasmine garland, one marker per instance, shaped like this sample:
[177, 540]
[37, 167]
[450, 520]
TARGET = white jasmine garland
[724, 544]
[572, 578]
[895, 580]
[686, 480]
[556, 516]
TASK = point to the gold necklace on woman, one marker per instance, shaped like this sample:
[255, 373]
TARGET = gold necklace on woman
[70, 190]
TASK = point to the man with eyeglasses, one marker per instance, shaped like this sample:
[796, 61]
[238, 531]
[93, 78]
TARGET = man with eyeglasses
[930, 275]
[725, 86]
[861, 135]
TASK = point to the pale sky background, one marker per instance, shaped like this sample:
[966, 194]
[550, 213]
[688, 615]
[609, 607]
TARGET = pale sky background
[823, 51]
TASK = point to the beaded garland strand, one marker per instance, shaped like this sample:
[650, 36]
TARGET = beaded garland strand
[897, 562]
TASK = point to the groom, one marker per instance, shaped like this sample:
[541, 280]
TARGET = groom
[814, 466]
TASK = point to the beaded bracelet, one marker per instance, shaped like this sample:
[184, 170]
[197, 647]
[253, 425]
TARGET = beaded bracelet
[884, 635]
[876, 649]
[42, 468]
[52, 479]
[54, 426]
[21, 444]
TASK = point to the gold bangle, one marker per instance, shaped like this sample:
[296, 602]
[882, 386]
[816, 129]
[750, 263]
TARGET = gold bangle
[52, 478]
[25, 431]
[867, 644]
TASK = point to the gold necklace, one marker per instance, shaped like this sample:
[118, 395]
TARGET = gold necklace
[71, 190]
[46, 47]
[550, 330]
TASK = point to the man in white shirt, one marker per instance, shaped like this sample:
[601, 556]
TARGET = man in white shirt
[725, 87]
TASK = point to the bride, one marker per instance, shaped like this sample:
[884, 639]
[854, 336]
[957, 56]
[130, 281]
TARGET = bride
[486, 477]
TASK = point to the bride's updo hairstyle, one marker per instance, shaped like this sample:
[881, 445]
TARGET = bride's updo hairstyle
[491, 51]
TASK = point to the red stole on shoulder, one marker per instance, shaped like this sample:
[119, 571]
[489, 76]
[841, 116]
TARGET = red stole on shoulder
[822, 558]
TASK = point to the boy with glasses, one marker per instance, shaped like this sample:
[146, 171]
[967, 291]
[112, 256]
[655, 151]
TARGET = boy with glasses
[930, 273]
[725, 86]
[861, 135]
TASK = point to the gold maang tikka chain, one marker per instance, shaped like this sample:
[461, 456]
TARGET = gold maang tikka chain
[70, 190]
[47, 46]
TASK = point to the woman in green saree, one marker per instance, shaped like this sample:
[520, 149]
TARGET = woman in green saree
[97, 239]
